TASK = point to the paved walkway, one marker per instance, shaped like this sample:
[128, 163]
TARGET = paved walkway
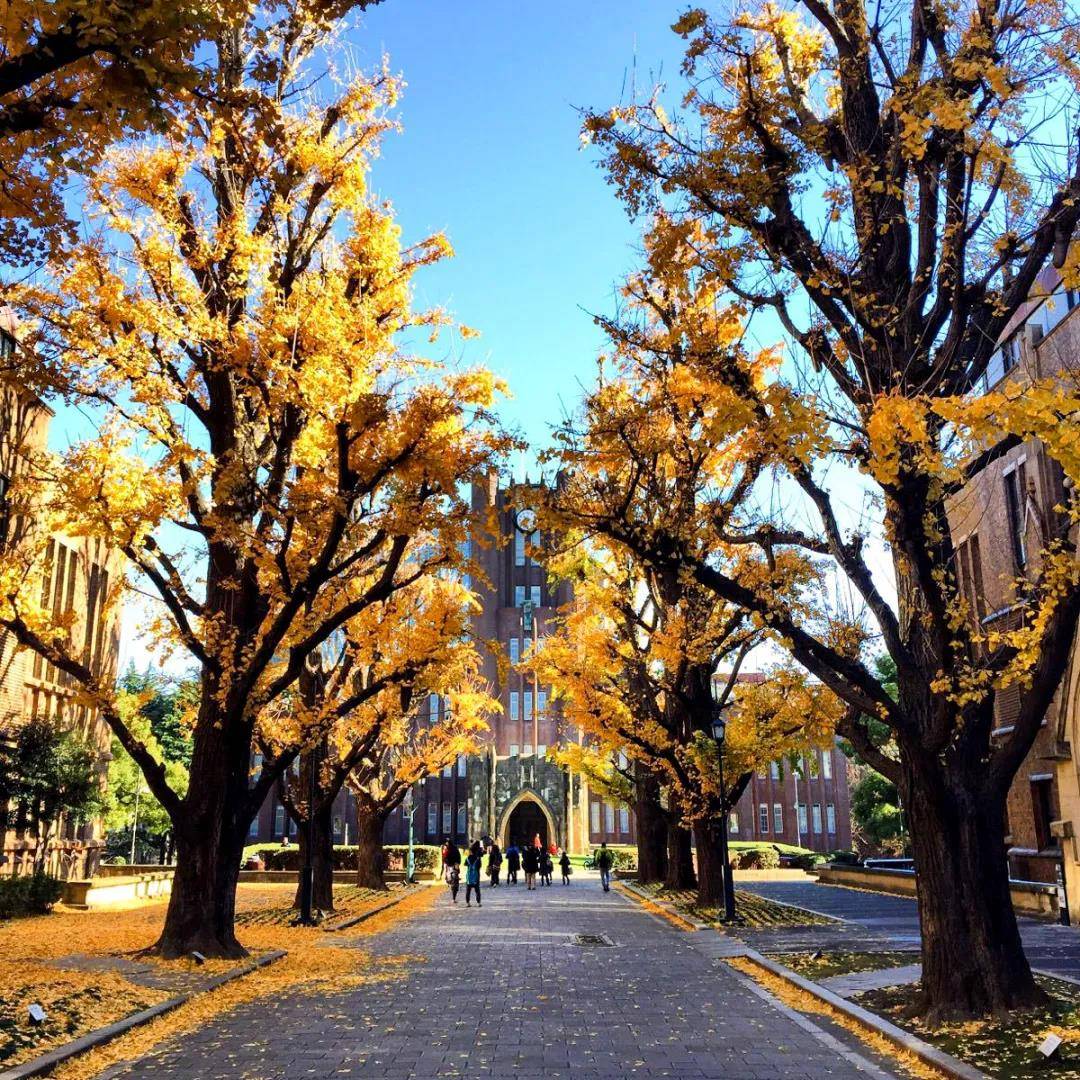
[875, 921]
[504, 994]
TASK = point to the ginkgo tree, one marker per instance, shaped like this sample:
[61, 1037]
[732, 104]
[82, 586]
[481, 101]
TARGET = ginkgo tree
[266, 448]
[637, 655]
[352, 708]
[883, 186]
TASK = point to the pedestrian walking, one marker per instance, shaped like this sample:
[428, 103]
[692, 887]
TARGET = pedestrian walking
[564, 866]
[495, 859]
[513, 863]
[603, 864]
[546, 868]
[472, 873]
[530, 863]
[451, 857]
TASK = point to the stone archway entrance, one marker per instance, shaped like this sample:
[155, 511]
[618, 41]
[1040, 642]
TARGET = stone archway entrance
[526, 818]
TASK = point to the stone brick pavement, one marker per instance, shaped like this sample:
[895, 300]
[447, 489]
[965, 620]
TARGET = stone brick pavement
[875, 921]
[504, 994]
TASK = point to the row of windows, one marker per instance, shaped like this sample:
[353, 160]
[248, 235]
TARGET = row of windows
[526, 750]
[520, 541]
[609, 818]
[448, 824]
[517, 700]
[533, 595]
[825, 769]
[777, 818]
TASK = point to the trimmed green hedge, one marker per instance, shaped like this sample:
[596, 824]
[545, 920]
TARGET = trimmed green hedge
[30, 894]
[278, 857]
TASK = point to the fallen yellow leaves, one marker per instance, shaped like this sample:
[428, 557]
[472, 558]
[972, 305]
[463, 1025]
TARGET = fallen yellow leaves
[665, 913]
[79, 1001]
[803, 1002]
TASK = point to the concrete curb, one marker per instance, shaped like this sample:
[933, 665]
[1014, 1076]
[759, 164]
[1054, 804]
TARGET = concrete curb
[666, 906]
[45, 1063]
[353, 920]
[930, 1055]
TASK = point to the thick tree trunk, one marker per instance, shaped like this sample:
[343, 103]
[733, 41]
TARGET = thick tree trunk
[369, 855]
[322, 860]
[680, 859]
[652, 831]
[972, 956]
[710, 864]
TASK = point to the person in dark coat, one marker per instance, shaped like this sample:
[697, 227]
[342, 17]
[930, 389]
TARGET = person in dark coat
[452, 868]
[564, 866]
[530, 863]
[546, 867]
[472, 873]
[495, 859]
[513, 863]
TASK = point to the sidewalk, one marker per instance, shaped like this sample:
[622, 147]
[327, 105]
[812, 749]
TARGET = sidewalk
[504, 992]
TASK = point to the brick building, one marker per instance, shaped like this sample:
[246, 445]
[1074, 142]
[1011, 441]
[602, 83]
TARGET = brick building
[1001, 521]
[511, 789]
[76, 576]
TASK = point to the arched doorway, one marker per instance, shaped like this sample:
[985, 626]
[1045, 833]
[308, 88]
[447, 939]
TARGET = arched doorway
[527, 816]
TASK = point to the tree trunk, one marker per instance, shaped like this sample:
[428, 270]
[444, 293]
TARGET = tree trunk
[652, 831]
[710, 864]
[973, 959]
[322, 860]
[369, 855]
[680, 859]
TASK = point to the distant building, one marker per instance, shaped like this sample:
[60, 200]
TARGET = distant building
[1000, 522]
[75, 579]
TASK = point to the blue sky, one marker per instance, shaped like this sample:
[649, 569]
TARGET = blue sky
[490, 156]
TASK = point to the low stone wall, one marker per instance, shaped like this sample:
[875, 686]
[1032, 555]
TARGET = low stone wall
[1031, 898]
[101, 892]
[115, 870]
[775, 874]
[341, 877]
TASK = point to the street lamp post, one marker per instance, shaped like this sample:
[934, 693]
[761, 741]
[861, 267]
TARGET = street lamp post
[719, 733]
[307, 871]
[410, 862]
[135, 823]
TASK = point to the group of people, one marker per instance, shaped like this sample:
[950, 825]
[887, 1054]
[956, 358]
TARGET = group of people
[533, 860]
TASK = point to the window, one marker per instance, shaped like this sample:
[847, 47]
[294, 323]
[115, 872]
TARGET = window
[514, 749]
[970, 576]
[519, 595]
[541, 702]
[447, 815]
[527, 750]
[624, 819]
[253, 828]
[815, 816]
[830, 818]
[541, 751]
[1010, 354]
[58, 593]
[733, 822]
[528, 705]
[432, 818]
[279, 821]
[293, 826]
[433, 708]
[7, 345]
[462, 819]
[826, 764]
[448, 770]
[338, 827]
[609, 817]
[1042, 807]
[594, 817]
[515, 650]
[534, 595]
[519, 548]
[514, 710]
[1015, 488]
[461, 764]
[774, 770]
[802, 817]
[778, 817]
[763, 818]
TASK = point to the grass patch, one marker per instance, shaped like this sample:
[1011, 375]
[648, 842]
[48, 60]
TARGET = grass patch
[826, 965]
[751, 911]
[1007, 1050]
[277, 910]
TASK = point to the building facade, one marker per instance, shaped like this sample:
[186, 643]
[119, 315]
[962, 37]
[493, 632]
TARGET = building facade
[76, 579]
[1000, 522]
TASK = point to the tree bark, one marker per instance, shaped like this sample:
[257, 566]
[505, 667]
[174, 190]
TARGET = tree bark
[652, 831]
[322, 859]
[369, 855]
[710, 864]
[680, 859]
[972, 958]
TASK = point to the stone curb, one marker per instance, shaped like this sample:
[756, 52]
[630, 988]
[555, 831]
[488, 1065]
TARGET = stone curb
[344, 924]
[930, 1055]
[45, 1063]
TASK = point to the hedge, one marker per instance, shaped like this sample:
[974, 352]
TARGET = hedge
[281, 857]
[29, 894]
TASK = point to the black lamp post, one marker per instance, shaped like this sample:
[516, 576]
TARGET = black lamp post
[719, 732]
[307, 871]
